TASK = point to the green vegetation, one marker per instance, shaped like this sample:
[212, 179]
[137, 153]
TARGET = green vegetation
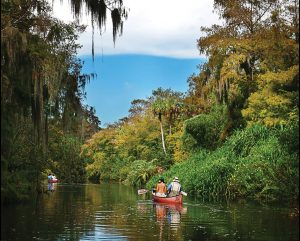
[204, 130]
[234, 134]
[43, 120]
[252, 163]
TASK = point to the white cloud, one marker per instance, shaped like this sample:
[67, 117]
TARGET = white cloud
[155, 27]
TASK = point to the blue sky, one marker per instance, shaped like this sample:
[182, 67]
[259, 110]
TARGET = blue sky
[123, 78]
[158, 48]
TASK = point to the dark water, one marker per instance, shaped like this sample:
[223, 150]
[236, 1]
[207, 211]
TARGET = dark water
[116, 212]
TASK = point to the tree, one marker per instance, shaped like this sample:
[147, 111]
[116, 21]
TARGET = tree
[276, 101]
[41, 83]
[166, 103]
[257, 39]
[138, 107]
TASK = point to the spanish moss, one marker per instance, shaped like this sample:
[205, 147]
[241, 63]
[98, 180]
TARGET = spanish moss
[97, 9]
[117, 23]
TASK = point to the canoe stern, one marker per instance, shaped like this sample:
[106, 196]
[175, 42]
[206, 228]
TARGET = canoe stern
[177, 199]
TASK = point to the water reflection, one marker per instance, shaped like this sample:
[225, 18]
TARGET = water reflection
[171, 212]
[116, 212]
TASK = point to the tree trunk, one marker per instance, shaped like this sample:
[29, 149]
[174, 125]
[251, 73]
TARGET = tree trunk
[162, 134]
[170, 125]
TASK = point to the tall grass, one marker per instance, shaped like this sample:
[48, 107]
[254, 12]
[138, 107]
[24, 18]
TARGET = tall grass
[253, 163]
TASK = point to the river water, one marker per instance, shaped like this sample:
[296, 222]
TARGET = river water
[117, 212]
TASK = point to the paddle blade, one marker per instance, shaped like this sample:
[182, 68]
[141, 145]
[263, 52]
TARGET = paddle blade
[183, 193]
[142, 191]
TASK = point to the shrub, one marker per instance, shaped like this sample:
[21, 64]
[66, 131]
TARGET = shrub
[204, 130]
[253, 163]
[140, 173]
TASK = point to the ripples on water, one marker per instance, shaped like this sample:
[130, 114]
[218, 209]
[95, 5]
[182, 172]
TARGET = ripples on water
[116, 212]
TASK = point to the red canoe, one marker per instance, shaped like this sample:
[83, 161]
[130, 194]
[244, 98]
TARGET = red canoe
[53, 181]
[177, 199]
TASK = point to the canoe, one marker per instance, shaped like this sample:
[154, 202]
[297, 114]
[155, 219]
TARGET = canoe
[53, 181]
[177, 199]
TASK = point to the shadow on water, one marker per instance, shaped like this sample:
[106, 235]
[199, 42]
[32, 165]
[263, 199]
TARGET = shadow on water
[115, 212]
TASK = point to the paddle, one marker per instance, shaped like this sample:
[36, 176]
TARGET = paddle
[143, 191]
[183, 193]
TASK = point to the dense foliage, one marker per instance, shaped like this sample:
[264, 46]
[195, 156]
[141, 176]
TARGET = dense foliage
[110, 153]
[252, 163]
[43, 120]
[205, 130]
[234, 134]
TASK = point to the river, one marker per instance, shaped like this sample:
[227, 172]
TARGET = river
[116, 212]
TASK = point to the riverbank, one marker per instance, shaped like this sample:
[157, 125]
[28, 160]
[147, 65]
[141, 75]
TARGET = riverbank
[256, 163]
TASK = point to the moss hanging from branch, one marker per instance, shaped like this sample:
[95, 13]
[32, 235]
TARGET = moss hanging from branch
[40, 75]
[117, 23]
[76, 6]
[102, 13]
[97, 9]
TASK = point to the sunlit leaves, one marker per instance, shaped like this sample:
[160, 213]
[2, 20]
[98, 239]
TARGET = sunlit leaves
[274, 103]
[253, 62]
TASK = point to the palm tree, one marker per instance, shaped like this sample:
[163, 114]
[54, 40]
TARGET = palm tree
[159, 109]
[166, 103]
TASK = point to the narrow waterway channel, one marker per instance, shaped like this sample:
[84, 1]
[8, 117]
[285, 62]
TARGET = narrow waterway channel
[117, 212]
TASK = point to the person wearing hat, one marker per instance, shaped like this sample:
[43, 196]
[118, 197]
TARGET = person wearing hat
[174, 188]
[161, 188]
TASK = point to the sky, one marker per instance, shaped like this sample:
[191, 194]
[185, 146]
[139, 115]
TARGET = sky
[123, 78]
[158, 48]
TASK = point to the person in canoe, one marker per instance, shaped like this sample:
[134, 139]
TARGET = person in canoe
[161, 188]
[50, 184]
[174, 188]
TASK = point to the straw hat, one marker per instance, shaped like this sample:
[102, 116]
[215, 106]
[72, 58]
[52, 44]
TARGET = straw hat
[176, 179]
